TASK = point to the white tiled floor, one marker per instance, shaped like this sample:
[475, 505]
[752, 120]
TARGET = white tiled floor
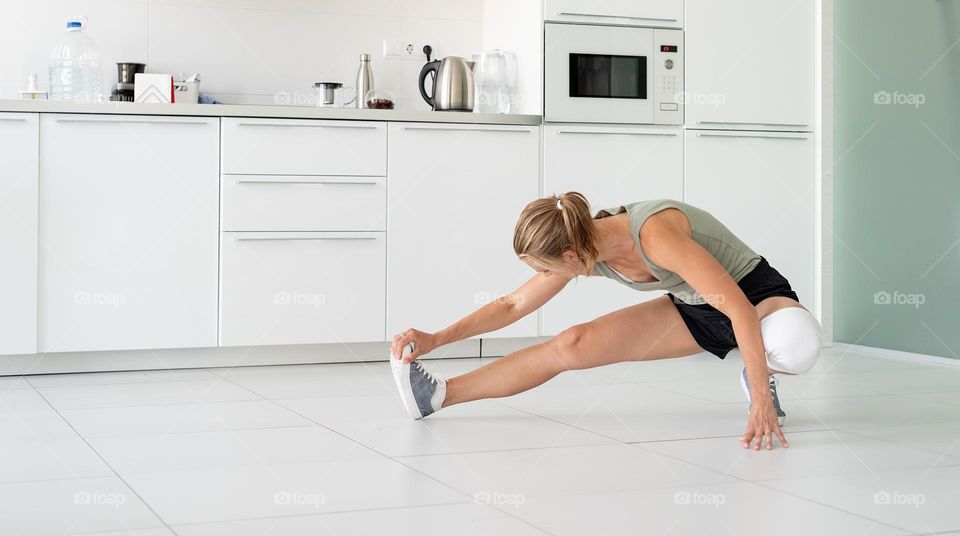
[633, 448]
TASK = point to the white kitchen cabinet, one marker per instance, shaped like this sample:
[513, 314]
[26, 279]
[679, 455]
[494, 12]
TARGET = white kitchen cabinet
[761, 186]
[611, 166]
[302, 288]
[455, 193]
[750, 64]
[655, 13]
[304, 147]
[129, 232]
[18, 232]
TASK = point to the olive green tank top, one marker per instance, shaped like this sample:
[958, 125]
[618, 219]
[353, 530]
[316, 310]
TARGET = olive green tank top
[735, 256]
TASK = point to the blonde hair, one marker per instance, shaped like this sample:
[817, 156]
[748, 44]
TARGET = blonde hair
[552, 225]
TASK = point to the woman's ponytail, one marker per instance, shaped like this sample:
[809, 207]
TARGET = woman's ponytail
[547, 227]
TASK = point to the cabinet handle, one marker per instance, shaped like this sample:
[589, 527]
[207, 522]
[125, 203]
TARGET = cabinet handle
[295, 181]
[571, 14]
[438, 129]
[305, 125]
[748, 123]
[605, 133]
[301, 238]
[13, 119]
[763, 136]
[131, 122]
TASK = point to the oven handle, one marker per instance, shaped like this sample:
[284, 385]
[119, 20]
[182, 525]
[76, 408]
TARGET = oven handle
[770, 136]
[612, 133]
[749, 123]
[571, 14]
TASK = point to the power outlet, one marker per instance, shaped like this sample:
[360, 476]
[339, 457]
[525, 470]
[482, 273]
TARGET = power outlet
[406, 49]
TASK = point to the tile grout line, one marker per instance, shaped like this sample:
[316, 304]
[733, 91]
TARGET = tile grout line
[105, 462]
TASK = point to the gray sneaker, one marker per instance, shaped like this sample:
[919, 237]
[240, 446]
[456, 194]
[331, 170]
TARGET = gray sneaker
[781, 416]
[422, 393]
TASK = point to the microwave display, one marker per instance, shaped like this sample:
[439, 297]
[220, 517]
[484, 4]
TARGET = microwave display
[608, 76]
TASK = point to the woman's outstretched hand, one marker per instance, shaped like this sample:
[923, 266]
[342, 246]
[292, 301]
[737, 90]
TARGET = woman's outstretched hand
[423, 343]
[762, 425]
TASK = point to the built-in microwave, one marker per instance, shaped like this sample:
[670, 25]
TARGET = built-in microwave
[613, 74]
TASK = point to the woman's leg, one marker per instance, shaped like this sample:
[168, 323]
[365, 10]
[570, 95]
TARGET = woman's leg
[649, 330]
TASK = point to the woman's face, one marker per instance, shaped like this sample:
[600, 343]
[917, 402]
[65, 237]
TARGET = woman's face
[568, 266]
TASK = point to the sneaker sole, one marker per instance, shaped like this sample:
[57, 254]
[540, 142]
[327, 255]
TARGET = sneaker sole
[401, 376]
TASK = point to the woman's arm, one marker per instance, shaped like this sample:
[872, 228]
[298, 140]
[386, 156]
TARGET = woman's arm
[497, 314]
[665, 238]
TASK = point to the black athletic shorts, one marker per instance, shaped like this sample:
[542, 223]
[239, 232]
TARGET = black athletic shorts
[711, 328]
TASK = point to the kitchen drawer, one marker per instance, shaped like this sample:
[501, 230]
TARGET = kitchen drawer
[302, 203]
[303, 147]
[302, 288]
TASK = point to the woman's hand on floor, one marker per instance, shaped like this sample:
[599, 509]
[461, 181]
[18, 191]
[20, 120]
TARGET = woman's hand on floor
[423, 343]
[762, 425]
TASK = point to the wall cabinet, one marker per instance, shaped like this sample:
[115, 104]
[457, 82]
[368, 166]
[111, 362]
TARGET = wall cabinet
[129, 225]
[18, 232]
[610, 166]
[656, 13]
[750, 64]
[455, 193]
[761, 185]
[302, 288]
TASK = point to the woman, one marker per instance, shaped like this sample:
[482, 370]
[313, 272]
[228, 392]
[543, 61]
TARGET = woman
[721, 295]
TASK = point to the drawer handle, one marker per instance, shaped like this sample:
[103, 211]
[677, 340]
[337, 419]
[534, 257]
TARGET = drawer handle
[300, 238]
[305, 125]
[13, 119]
[604, 133]
[294, 181]
[131, 122]
[570, 14]
[438, 129]
[747, 123]
[763, 136]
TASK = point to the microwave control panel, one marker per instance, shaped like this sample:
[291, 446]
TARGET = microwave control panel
[669, 95]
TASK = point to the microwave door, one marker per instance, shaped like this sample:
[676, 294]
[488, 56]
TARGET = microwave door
[598, 74]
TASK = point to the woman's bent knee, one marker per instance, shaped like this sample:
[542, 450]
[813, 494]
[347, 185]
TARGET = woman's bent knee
[792, 338]
[569, 347]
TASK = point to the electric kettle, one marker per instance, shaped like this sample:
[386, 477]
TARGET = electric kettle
[452, 84]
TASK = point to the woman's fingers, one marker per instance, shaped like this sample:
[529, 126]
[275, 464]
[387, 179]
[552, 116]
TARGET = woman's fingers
[783, 440]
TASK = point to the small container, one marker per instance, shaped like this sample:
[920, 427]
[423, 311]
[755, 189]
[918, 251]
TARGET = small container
[186, 92]
[32, 92]
[379, 99]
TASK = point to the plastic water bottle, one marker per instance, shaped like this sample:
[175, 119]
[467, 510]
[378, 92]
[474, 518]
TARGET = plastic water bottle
[75, 65]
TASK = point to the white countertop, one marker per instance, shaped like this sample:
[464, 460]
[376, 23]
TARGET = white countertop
[284, 112]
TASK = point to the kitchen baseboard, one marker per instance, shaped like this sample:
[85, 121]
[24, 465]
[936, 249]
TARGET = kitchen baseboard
[899, 354]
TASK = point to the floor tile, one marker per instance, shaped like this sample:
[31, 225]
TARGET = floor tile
[108, 378]
[561, 471]
[382, 423]
[33, 425]
[49, 460]
[177, 418]
[233, 493]
[72, 506]
[268, 446]
[919, 500]
[941, 438]
[442, 520]
[143, 394]
[14, 382]
[741, 508]
[809, 454]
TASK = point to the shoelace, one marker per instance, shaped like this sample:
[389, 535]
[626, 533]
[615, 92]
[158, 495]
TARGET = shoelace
[424, 372]
[773, 394]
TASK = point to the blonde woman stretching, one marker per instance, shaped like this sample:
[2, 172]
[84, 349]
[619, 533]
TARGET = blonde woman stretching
[721, 295]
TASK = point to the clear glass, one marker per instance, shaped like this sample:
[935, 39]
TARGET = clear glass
[495, 80]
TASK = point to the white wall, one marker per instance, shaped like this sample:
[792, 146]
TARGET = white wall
[248, 50]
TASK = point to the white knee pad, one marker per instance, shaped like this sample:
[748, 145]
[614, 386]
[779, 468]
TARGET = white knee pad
[792, 339]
